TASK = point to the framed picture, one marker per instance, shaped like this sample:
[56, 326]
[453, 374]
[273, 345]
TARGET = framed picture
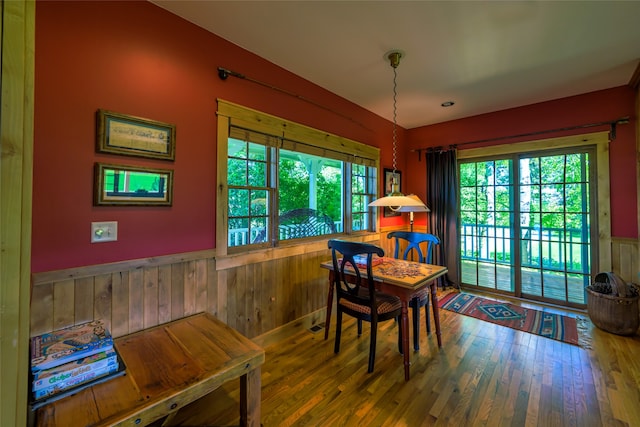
[388, 188]
[134, 136]
[132, 186]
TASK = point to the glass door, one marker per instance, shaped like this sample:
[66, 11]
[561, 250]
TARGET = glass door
[527, 225]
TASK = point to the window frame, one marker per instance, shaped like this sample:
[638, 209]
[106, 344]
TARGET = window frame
[312, 141]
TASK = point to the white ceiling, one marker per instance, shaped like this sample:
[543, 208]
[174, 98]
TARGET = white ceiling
[485, 56]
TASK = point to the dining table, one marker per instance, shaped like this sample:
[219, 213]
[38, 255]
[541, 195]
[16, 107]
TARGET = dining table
[403, 279]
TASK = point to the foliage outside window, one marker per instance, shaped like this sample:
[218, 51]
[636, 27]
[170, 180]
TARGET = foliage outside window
[302, 184]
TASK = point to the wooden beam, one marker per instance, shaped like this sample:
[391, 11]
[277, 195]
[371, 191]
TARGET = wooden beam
[17, 29]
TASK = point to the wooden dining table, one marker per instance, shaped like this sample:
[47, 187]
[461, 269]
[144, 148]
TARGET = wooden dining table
[402, 279]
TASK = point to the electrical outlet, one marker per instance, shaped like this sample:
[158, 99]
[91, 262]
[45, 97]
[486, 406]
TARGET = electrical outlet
[104, 231]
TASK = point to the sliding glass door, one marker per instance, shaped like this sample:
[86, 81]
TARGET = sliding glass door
[527, 224]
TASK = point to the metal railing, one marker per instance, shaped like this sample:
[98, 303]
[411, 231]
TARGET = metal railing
[241, 236]
[557, 249]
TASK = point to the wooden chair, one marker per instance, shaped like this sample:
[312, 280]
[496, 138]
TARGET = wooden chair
[356, 294]
[413, 241]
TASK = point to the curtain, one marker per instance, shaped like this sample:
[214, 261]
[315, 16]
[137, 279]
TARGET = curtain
[442, 184]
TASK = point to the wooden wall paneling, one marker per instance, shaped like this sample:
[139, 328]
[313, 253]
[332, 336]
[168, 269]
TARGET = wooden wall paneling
[307, 294]
[136, 300]
[201, 285]
[103, 299]
[84, 296]
[625, 259]
[120, 303]
[266, 301]
[295, 289]
[254, 280]
[256, 298]
[242, 283]
[322, 281]
[223, 294]
[164, 293]
[63, 304]
[41, 309]
[212, 287]
[177, 290]
[232, 297]
[189, 288]
[278, 278]
[150, 297]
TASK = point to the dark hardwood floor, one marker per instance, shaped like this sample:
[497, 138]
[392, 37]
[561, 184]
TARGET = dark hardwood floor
[484, 375]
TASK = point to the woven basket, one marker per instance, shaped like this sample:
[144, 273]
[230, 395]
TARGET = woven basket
[613, 313]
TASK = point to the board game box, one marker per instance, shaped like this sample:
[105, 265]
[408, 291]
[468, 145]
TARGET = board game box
[69, 344]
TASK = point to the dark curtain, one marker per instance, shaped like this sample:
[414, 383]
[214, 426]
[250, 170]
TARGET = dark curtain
[442, 184]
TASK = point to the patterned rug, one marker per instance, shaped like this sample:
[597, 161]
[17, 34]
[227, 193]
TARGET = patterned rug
[549, 325]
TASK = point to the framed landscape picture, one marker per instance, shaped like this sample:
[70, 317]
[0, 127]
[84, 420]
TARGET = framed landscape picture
[132, 186]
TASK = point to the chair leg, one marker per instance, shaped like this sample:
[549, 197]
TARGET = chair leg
[372, 346]
[336, 347]
[416, 323]
[426, 316]
[359, 327]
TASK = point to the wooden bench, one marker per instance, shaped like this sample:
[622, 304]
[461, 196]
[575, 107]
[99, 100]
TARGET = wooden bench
[167, 367]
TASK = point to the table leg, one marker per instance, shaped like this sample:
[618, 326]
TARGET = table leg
[436, 311]
[327, 320]
[404, 324]
[250, 398]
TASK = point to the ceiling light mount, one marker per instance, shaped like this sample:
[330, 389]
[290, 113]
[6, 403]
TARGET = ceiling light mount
[394, 57]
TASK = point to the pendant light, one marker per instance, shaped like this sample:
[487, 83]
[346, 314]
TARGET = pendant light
[395, 199]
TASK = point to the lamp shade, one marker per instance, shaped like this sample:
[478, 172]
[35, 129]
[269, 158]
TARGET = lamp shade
[418, 207]
[400, 200]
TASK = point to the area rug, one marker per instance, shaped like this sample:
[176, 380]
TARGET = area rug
[549, 325]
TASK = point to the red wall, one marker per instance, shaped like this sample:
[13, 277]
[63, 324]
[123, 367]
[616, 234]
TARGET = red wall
[595, 107]
[135, 58]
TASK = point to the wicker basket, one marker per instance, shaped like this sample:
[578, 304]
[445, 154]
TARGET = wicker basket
[612, 312]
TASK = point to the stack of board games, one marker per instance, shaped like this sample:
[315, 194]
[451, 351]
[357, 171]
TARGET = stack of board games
[67, 358]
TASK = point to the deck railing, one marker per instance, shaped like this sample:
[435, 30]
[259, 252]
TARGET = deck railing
[557, 249]
[241, 236]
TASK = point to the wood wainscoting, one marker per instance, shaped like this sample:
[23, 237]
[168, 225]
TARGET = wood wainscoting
[253, 292]
[625, 258]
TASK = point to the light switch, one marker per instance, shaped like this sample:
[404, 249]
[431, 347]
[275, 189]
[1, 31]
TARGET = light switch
[104, 231]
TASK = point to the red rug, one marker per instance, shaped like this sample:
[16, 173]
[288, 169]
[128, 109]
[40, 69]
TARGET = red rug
[549, 325]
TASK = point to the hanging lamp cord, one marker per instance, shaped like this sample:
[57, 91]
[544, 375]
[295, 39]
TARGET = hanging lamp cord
[395, 113]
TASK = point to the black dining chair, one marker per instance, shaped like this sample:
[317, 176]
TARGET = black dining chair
[356, 292]
[413, 241]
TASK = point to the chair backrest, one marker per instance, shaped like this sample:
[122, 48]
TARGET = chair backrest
[413, 240]
[349, 259]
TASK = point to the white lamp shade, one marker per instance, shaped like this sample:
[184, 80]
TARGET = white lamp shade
[420, 207]
[403, 201]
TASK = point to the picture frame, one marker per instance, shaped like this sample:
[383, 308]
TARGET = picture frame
[119, 185]
[134, 136]
[388, 188]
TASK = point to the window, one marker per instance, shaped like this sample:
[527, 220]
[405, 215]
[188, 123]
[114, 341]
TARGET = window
[302, 184]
